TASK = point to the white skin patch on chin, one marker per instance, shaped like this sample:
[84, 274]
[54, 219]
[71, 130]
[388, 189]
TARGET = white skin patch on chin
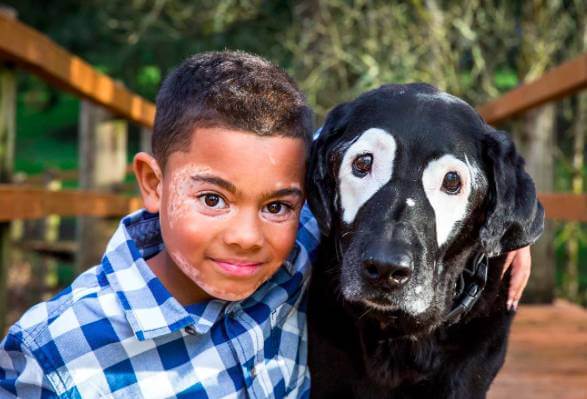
[199, 278]
[354, 190]
[449, 209]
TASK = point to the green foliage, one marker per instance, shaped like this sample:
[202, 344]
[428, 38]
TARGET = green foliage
[505, 79]
[46, 124]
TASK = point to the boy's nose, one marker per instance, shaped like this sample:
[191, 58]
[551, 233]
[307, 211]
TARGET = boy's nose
[245, 231]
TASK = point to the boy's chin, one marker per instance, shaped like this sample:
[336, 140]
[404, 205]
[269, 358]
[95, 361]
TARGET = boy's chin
[230, 292]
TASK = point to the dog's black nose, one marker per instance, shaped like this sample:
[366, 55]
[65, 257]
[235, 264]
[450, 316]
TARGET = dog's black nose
[389, 270]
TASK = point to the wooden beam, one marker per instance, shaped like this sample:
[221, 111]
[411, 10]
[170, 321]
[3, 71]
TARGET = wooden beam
[564, 207]
[32, 203]
[7, 135]
[561, 81]
[34, 51]
[17, 202]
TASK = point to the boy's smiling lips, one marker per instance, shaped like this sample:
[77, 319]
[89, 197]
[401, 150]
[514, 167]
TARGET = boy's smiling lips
[238, 268]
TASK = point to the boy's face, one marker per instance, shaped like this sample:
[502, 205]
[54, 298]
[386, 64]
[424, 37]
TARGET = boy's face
[229, 209]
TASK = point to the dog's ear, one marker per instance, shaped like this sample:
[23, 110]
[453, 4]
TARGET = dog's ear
[320, 179]
[515, 218]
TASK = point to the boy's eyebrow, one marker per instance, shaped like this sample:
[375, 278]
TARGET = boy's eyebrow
[218, 181]
[283, 192]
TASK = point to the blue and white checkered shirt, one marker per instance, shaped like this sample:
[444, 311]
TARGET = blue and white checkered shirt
[116, 332]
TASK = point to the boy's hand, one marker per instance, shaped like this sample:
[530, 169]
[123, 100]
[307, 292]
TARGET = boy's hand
[521, 262]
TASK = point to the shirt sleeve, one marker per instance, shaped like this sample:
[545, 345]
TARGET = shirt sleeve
[21, 376]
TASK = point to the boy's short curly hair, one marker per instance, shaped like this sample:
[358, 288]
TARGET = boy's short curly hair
[231, 89]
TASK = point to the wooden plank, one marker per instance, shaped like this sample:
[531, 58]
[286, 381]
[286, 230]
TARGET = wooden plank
[561, 81]
[17, 202]
[547, 354]
[7, 136]
[34, 51]
[535, 142]
[102, 166]
[102, 148]
[564, 207]
[145, 145]
[57, 174]
[32, 203]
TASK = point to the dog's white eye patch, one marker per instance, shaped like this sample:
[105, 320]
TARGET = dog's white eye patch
[354, 190]
[449, 209]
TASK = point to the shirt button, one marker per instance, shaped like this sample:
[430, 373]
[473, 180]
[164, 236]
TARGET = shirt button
[253, 372]
[191, 330]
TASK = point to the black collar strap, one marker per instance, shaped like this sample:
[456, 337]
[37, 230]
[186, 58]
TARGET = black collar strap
[470, 286]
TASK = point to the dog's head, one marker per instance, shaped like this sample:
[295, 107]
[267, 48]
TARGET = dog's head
[412, 184]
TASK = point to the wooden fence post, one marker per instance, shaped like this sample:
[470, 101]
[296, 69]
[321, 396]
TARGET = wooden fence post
[102, 167]
[146, 134]
[536, 143]
[7, 137]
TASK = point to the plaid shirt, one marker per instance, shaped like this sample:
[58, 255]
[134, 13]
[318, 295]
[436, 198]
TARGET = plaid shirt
[116, 332]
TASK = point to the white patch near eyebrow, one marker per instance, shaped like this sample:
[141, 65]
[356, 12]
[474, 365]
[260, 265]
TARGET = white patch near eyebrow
[355, 191]
[410, 202]
[449, 209]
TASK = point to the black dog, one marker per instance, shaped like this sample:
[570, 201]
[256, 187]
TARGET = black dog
[417, 199]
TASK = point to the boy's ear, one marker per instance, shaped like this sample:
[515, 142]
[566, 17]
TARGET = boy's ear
[149, 178]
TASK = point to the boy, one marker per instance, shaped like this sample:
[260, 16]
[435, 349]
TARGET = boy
[191, 299]
[202, 293]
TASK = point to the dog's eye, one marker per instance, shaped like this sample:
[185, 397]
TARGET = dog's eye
[451, 183]
[362, 165]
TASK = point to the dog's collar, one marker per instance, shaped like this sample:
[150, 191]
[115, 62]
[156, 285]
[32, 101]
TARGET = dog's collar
[470, 285]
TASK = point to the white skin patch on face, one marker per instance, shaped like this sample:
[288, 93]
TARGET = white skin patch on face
[449, 209]
[354, 190]
[410, 202]
[180, 202]
[195, 275]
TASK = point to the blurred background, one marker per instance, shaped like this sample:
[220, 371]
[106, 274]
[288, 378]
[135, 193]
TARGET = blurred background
[478, 50]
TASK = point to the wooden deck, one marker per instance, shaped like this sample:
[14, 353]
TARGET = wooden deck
[547, 355]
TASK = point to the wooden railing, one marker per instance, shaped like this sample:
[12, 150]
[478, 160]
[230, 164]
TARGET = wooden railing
[25, 48]
[562, 81]
[35, 52]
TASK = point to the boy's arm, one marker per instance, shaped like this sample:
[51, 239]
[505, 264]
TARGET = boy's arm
[21, 376]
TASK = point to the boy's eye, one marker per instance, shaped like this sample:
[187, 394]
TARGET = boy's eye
[278, 209]
[212, 201]
[274, 207]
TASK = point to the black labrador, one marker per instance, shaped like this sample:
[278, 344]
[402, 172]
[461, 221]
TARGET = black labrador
[417, 199]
